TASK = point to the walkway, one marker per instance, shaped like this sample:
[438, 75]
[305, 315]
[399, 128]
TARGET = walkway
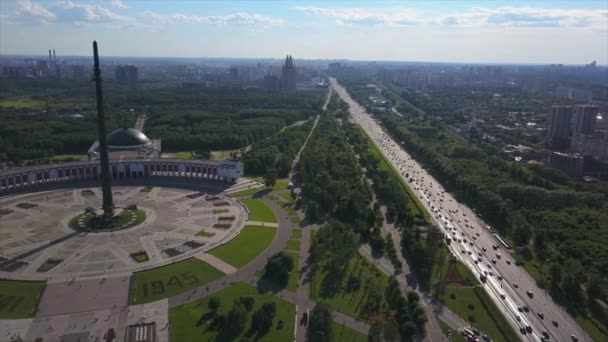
[297, 158]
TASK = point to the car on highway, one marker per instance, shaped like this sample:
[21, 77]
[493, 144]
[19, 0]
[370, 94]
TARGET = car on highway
[516, 286]
[530, 294]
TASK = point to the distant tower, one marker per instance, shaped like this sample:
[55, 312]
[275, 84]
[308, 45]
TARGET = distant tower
[559, 125]
[288, 76]
[585, 117]
[50, 57]
[57, 74]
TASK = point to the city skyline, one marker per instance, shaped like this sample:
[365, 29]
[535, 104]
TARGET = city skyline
[457, 32]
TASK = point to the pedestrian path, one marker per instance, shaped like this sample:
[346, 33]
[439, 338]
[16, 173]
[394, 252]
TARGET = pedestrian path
[263, 224]
[216, 262]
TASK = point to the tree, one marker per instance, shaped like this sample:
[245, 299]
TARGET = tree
[377, 242]
[270, 177]
[261, 322]
[236, 319]
[539, 241]
[522, 232]
[555, 272]
[278, 267]
[312, 211]
[214, 303]
[248, 302]
[320, 324]
[571, 285]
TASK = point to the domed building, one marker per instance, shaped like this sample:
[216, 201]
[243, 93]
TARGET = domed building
[128, 143]
[126, 139]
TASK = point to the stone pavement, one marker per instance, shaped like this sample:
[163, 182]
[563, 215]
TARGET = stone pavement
[216, 262]
[263, 224]
[40, 234]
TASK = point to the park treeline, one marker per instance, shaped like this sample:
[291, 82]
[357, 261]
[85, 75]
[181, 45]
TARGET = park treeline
[556, 221]
[332, 180]
[226, 119]
[35, 116]
[26, 137]
[277, 151]
[422, 250]
[335, 191]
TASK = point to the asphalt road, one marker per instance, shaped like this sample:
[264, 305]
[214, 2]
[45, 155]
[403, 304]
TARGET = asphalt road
[460, 223]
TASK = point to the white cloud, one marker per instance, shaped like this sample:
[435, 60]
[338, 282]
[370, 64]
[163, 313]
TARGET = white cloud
[118, 3]
[476, 16]
[75, 12]
[64, 11]
[349, 16]
[29, 10]
[240, 18]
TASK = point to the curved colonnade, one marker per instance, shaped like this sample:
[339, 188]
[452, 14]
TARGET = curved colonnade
[11, 180]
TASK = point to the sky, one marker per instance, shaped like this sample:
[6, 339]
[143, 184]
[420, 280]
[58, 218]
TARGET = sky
[569, 32]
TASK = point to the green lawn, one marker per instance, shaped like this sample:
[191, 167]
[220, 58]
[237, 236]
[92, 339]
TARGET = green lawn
[351, 303]
[19, 299]
[343, 333]
[287, 196]
[290, 212]
[474, 305]
[293, 245]
[54, 102]
[162, 282]
[414, 204]
[183, 155]
[280, 185]
[249, 192]
[259, 211]
[296, 234]
[292, 284]
[67, 157]
[250, 242]
[205, 234]
[186, 323]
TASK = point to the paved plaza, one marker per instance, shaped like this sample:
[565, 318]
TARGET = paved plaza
[37, 243]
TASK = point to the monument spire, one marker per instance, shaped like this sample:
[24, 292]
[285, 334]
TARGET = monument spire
[106, 179]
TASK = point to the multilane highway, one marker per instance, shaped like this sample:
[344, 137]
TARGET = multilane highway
[528, 308]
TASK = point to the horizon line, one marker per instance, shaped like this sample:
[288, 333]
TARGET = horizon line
[314, 59]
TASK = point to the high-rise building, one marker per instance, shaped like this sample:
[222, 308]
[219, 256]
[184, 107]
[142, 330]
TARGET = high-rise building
[126, 75]
[571, 164]
[585, 117]
[288, 75]
[559, 124]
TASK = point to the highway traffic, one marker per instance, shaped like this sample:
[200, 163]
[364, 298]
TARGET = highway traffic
[528, 308]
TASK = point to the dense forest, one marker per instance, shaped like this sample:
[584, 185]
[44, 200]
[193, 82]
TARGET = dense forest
[277, 151]
[332, 181]
[335, 191]
[37, 119]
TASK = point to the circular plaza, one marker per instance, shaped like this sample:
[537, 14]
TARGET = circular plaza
[38, 242]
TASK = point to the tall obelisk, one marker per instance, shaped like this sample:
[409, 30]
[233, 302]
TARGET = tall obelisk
[106, 179]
